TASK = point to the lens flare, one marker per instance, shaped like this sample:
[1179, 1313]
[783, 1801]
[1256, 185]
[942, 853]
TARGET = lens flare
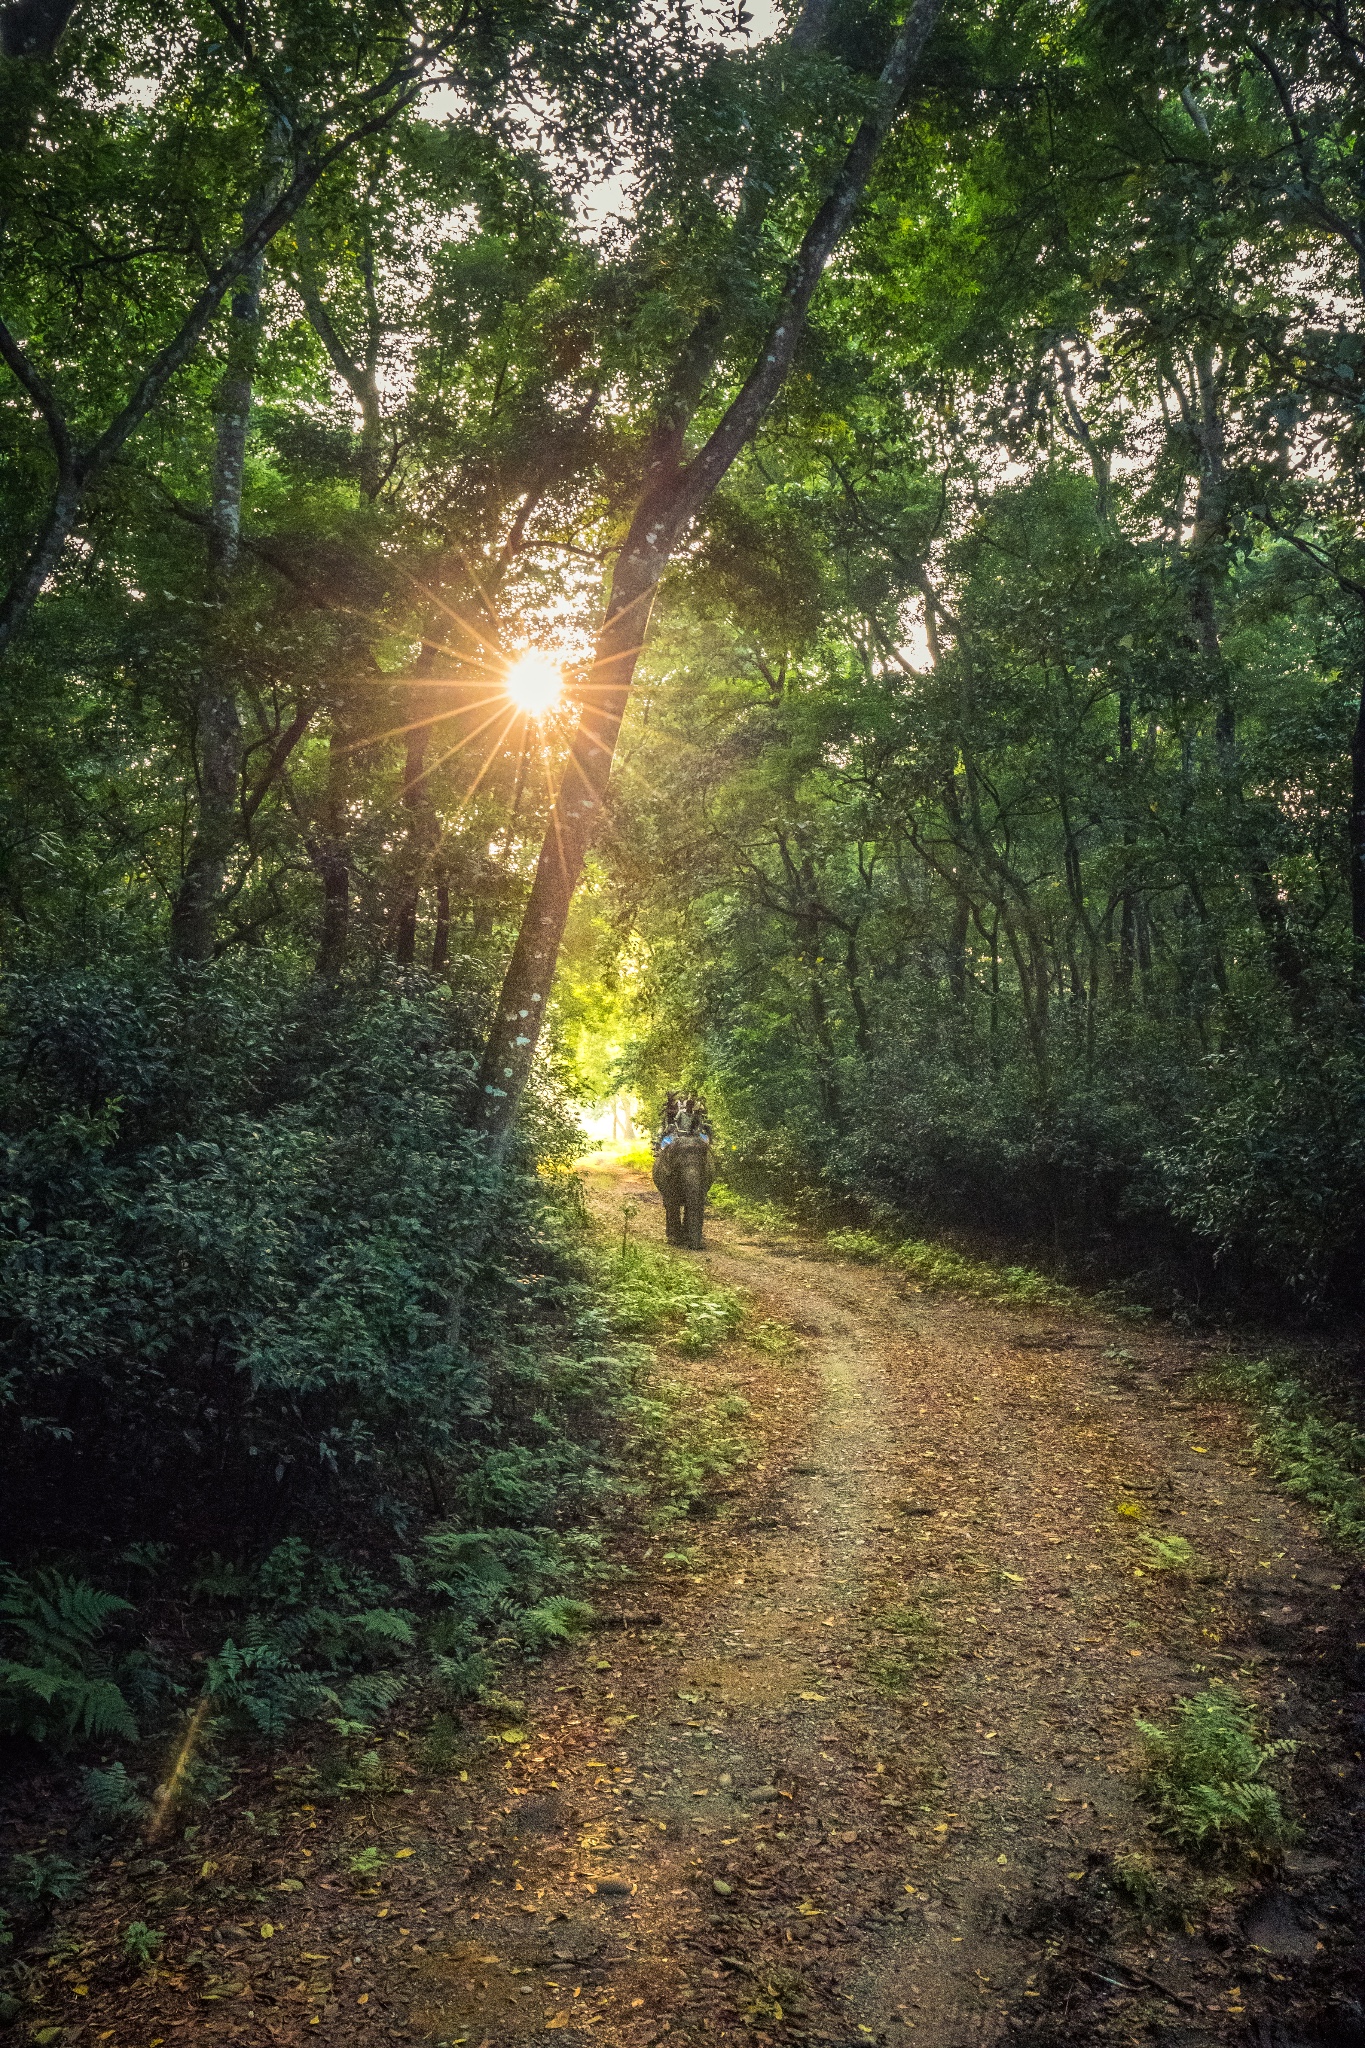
[535, 683]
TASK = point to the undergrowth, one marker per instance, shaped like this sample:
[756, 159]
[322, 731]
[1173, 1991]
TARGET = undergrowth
[1316, 1456]
[1206, 1774]
[935, 1268]
[1170, 1553]
[60, 1684]
[653, 1294]
[748, 1210]
[685, 1441]
[938, 1269]
[638, 1159]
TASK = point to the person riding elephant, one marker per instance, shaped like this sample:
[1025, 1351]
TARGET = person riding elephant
[683, 1168]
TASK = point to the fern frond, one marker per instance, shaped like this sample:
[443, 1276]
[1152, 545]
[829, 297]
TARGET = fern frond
[391, 1624]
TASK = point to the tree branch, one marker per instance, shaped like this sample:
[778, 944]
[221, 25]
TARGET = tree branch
[81, 466]
[279, 754]
[701, 476]
[44, 400]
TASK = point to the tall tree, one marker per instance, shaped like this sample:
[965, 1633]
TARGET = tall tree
[674, 489]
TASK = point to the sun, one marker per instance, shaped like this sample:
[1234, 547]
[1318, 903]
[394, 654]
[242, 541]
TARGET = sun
[535, 683]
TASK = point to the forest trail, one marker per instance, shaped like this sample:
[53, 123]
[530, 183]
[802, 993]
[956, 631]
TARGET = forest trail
[859, 1770]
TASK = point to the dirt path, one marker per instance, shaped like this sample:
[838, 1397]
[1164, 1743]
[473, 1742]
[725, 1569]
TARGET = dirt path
[867, 1773]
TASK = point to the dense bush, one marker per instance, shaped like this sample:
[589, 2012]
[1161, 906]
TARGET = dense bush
[234, 1212]
[1272, 1162]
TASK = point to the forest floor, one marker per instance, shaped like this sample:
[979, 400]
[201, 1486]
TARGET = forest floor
[858, 1765]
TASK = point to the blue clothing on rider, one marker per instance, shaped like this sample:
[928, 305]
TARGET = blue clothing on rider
[684, 1117]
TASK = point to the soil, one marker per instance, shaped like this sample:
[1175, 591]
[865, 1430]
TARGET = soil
[855, 1764]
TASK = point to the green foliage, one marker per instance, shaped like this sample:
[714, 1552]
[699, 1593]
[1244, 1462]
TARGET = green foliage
[778, 1340]
[313, 1644]
[142, 1944]
[114, 1799]
[1169, 1553]
[442, 1746]
[984, 939]
[41, 1878]
[500, 1584]
[365, 1864]
[856, 1244]
[275, 1187]
[61, 1687]
[655, 1294]
[755, 1215]
[937, 1268]
[1206, 1774]
[1139, 1880]
[557, 1619]
[1315, 1453]
[262, 1184]
[686, 1444]
[1274, 1160]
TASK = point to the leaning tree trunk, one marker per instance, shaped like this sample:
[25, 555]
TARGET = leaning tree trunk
[673, 494]
[573, 819]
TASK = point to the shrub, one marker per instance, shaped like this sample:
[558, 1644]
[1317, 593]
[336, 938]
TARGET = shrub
[317, 1641]
[113, 1797]
[651, 1293]
[1316, 1455]
[60, 1687]
[856, 1244]
[234, 1206]
[1273, 1164]
[686, 1444]
[1205, 1775]
[939, 1269]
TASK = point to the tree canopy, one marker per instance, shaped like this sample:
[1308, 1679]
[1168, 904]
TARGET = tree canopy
[928, 438]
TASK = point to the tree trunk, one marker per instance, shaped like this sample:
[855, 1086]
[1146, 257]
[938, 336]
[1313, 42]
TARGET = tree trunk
[578, 802]
[1205, 552]
[674, 492]
[862, 1024]
[957, 949]
[1127, 905]
[194, 914]
[415, 844]
[331, 861]
[440, 940]
[826, 1057]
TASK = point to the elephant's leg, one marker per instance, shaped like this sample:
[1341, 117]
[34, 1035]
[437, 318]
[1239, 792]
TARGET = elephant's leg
[673, 1220]
[696, 1205]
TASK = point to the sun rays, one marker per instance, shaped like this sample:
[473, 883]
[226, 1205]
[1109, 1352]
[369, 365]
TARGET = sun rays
[535, 683]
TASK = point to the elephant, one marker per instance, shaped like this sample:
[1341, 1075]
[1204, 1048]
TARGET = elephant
[682, 1174]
